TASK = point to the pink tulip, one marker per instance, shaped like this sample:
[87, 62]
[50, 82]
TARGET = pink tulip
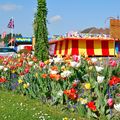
[42, 64]
[75, 58]
[113, 63]
[26, 70]
[110, 102]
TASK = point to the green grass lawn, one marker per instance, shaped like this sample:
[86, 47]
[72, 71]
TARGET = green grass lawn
[18, 107]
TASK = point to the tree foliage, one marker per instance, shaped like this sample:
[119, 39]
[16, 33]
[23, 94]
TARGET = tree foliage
[40, 30]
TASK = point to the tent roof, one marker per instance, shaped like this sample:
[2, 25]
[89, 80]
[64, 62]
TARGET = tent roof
[72, 38]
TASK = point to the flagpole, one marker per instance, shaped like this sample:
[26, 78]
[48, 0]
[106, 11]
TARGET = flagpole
[11, 26]
[11, 29]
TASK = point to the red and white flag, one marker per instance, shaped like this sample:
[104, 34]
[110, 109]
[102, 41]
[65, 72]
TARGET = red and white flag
[11, 24]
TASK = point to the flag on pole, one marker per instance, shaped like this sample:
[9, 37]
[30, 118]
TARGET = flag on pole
[11, 24]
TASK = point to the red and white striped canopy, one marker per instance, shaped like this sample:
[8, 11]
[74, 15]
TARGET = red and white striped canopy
[87, 46]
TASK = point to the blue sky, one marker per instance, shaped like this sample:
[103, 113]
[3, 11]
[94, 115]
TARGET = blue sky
[63, 15]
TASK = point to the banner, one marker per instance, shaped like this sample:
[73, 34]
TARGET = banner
[24, 39]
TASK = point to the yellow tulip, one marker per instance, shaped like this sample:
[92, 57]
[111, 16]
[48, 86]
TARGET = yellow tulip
[65, 118]
[20, 81]
[36, 75]
[63, 68]
[91, 67]
[46, 62]
[87, 86]
[13, 71]
[26, 85]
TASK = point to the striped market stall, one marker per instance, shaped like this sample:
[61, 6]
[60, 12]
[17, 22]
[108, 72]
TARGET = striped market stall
[87, 46]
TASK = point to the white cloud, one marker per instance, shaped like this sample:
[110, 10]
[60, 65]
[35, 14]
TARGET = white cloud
[55, 18]
[9, 7]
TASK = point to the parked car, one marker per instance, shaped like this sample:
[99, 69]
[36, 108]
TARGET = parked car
[7, 51]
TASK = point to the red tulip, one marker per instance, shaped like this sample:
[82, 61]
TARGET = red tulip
[2, 80]
[72, 90]
[22, 73]
[34, 59]
[74, 85]
[5, 62]
[114, 80]
[91, 105]
[73, 96]
[19, 64]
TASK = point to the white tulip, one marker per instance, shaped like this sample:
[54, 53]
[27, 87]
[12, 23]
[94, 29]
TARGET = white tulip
[18, 55]
[58, 60]
[5, 69]
[94, 60]
[30, 63]
[117, 107]
[65, 74]
[53, 71]
[1, 67]
[50, 60]
[100, 79]
[75, 64]
[60, 93]
[99, 69]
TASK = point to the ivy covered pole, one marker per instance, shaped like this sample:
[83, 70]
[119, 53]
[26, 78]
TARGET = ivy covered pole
[40, 30]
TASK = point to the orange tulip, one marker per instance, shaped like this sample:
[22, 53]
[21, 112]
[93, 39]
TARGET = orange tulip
[55, 76]
[44, 75]
[54, 68]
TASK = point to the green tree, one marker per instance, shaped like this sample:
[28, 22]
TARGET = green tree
[40, 30]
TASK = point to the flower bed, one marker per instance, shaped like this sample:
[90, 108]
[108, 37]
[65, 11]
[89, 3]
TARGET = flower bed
[88, 86]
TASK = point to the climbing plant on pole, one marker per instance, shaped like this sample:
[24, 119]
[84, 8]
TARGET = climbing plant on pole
[40, 30]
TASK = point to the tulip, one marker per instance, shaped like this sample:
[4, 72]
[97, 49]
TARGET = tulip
[26, 70]
[73, 96]
[114, 80]
[41, 64]
[76, 58]
[99, 69]
[19, 64]
[110, 102]
[100, 79]
[117, 107]
[1, 67]
[72, 90]
[74, 84]
[26, 85]
[20, 81]
[91, 105]
[44, 76]
[94, 60]
[87, 86]
[5, 69]
[65, 74]
[2, 80]
[113, 63]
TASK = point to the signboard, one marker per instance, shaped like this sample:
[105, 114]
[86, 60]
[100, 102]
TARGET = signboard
[115, 28]
[24, 39]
